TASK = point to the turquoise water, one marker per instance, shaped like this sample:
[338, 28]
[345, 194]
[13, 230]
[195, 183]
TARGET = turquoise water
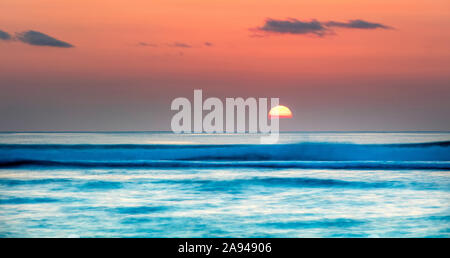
[166, 185]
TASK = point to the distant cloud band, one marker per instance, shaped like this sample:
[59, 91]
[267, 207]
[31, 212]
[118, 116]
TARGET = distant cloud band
[4, 35]
[37, 38]
[294, 26]
[145, 44]
[357, 24]
[180, 44]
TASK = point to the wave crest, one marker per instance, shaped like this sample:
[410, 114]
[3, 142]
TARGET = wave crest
[431, 155]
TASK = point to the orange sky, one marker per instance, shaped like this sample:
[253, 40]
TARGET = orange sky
[107, 59]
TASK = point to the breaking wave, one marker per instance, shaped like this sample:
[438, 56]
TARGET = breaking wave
[430, 155]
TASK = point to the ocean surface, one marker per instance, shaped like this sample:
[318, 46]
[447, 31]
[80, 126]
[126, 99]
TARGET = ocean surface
[154, 184]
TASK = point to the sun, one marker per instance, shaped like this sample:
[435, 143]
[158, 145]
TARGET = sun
[280, 112]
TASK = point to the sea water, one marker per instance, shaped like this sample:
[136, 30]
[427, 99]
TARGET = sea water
[155, 184]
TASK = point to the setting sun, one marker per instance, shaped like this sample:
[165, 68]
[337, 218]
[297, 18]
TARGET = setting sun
[280, 112]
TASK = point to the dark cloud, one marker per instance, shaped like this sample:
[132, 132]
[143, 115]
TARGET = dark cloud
[37, 38]
[180, 44]
[4, 35]
[357, 24]
[294, 26]
[208, 44]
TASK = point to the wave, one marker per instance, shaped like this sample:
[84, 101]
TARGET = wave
[323, 223]
[234, 185]
[27, 200]
[382, 165]
[326, 155]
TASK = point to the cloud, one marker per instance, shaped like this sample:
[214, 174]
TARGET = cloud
[315, 27]
[294, 26]
[180, 44]
[37, 38]
[176, 44]
[357, 24]
[145, 44]
[4, 35]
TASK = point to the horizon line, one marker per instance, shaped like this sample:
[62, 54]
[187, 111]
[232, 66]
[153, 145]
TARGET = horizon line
[168, 131]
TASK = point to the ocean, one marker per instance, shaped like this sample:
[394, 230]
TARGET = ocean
[157, 184]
